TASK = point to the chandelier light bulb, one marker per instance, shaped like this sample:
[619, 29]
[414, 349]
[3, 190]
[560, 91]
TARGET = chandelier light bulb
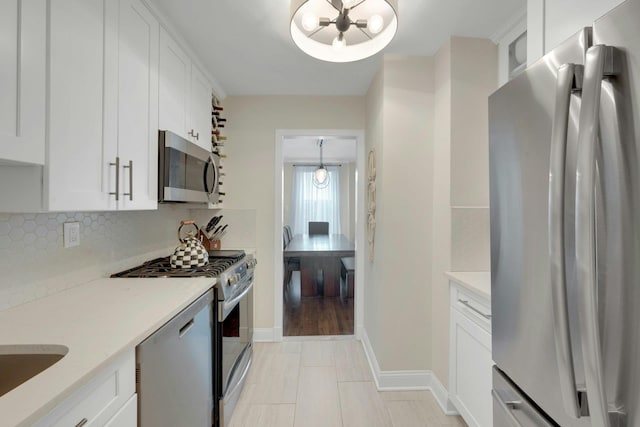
[339, 42]
[321, 175]
[375, 24]
[309, 21]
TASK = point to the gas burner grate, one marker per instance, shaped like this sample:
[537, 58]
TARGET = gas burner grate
[161, 267]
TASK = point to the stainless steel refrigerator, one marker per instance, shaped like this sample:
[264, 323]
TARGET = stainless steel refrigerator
[565, 227]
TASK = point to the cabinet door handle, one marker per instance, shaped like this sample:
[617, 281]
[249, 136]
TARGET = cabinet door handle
[194, 134]
[130, 167]
[466, 304]
[82, 422]
[117, 165]
[186, 328]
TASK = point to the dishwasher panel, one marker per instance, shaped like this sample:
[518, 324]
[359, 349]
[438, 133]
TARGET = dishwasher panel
[174, 370]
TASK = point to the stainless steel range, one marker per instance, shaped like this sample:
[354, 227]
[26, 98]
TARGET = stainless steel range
[232, 315]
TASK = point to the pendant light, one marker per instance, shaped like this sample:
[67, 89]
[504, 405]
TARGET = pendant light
[321, 174]
[343, 30]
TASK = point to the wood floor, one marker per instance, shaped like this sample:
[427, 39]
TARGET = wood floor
[327, 384]
[310, 316]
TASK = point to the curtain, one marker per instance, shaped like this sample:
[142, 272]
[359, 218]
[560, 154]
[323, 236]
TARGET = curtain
[309, 203]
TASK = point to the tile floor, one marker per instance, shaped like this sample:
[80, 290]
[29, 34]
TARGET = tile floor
[327, 383]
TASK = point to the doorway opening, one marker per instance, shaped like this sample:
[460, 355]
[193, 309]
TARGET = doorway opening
[318, 288]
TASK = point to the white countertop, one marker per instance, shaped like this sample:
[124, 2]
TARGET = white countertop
[97, 322]
[477, 281]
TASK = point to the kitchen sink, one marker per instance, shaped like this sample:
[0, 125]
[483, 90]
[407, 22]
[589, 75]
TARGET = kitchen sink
[19, 363]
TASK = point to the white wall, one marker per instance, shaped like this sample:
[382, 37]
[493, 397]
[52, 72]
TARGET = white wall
[465, 75]
[473, 79]
[353, 173]
[441, 258]
[373, 298]
[550, 22]
[400, 127]
[249, 166]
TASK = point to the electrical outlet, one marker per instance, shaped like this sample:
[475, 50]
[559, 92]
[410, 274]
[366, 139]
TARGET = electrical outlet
[71, 234]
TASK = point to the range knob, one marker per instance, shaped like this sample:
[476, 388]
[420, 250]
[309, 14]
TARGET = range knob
[251, 263]
[233, 279]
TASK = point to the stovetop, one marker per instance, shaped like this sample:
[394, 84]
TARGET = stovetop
[219, 262]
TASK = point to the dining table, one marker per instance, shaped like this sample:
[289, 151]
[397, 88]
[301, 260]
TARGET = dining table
[319, 253]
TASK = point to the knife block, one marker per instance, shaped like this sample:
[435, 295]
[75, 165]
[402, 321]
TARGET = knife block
[210, 245]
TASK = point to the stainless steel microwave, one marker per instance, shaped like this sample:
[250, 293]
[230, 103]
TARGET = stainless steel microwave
[187, 173]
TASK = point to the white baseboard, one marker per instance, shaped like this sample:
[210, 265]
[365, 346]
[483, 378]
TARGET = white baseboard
[407, 380]
[264, 335]
[442, 396]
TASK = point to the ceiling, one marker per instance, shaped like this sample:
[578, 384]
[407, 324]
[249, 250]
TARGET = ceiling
[247, 47]
[306, 150]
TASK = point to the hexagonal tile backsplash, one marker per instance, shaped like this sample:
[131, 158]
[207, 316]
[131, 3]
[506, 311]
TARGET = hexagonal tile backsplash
[33, 262]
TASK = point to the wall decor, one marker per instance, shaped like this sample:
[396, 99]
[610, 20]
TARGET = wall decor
[371, 202]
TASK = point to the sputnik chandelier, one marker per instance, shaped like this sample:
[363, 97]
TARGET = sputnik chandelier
[343, 30]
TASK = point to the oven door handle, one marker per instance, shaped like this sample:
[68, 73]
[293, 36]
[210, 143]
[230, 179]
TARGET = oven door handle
[227, 306]
[247, 360]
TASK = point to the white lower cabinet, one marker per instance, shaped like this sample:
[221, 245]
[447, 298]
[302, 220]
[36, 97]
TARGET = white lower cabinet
[108, 399]
[470, 359]
[127, 416]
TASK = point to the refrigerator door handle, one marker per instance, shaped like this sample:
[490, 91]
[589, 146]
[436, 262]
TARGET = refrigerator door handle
[569, 80]
[600, 61]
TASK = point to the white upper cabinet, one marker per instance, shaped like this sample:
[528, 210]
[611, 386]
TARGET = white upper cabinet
[175, 69]
[22, 81]
[549, 23]
[185, 94]
[137, 107]
[84, 87]
[200, 108]
[103, 106]
[76, 106]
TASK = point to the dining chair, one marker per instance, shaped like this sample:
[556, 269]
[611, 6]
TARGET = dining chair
[318, 227]
[288, 232]
[290, 264]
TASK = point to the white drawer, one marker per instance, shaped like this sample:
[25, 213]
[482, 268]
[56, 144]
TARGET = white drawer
[99, 400]
[471, 305]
